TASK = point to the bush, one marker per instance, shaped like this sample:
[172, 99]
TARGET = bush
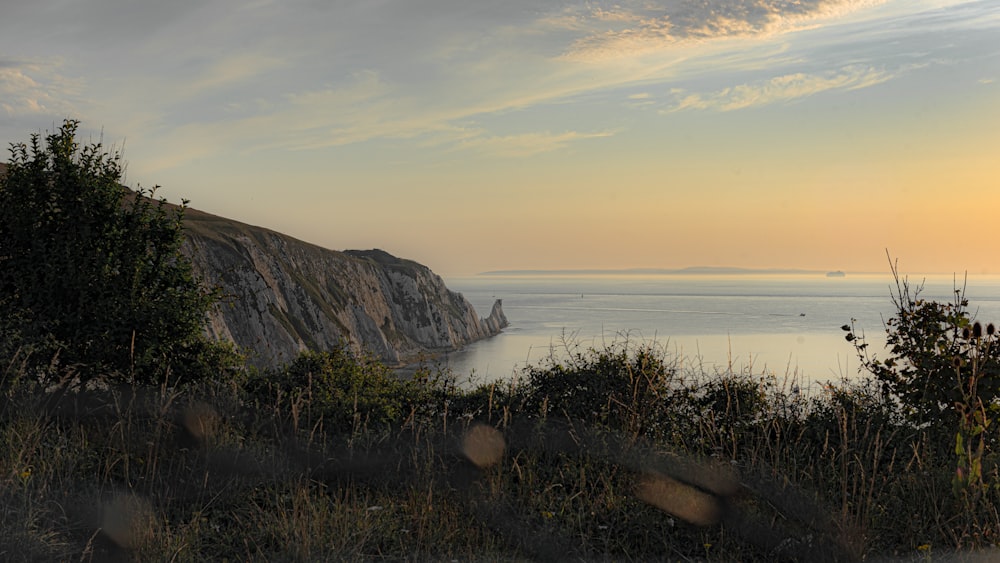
[940, 360]
[92, 277]
[618, 387]
[348, 392]
[944, 372]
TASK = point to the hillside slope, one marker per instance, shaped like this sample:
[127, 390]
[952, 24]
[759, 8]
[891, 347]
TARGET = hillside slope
[284, 296]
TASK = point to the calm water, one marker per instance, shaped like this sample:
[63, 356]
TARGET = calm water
[783, 325]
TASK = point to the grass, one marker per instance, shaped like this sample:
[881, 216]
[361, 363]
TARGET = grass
[613, 454]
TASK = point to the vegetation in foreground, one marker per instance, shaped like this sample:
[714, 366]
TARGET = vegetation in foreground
[126, 439]
[604, 454]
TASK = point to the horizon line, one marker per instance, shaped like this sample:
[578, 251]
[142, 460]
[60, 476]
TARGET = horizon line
[713, 270]
[717, 270]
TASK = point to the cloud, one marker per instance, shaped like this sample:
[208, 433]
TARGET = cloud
[440, 72]
[642, 27]
[36, 89]
[779, 89]
[232, 70]
[527, 144]
[363, 87]
[371, 109]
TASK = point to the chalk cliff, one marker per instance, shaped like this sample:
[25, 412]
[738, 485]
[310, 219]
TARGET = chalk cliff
[283, 296]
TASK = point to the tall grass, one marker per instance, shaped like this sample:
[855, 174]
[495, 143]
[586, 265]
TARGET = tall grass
[621, 453]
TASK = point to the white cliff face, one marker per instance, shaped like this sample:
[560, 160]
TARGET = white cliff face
[283, 296]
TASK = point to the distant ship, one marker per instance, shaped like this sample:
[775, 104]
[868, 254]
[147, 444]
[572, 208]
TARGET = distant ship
[837, 274]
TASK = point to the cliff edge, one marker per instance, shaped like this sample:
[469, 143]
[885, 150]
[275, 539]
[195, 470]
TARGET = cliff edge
[283, 296]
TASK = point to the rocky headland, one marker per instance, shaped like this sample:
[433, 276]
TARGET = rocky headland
[283, 296]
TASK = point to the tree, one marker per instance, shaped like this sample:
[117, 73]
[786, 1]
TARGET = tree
[92, 276]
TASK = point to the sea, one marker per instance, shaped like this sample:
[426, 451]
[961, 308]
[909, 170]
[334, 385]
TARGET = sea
[786, 326]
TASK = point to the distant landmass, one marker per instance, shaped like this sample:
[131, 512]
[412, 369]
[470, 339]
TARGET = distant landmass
[694, 270]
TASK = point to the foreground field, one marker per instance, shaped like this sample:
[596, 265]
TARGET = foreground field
[603, 454]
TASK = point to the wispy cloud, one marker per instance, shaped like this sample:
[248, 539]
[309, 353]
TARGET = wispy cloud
[779, 89]
[642, 27]
[230, 71]
[527, 144]
[36, 88]
[438, 72]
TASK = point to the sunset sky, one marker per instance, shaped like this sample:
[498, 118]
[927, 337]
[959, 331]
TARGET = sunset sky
[471, 135]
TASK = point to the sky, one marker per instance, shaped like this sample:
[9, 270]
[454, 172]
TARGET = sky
[471, 135]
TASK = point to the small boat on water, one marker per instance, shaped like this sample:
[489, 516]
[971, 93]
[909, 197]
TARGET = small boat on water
[837, 274]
